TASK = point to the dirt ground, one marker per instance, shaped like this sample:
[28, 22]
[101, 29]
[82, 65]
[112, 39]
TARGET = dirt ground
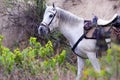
[104, 9]
[86, 9]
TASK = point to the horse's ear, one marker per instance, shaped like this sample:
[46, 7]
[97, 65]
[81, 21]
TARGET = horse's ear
[53, 5]
[46, 5]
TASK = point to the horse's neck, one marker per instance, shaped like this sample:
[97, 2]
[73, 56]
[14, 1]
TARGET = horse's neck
[72, 31]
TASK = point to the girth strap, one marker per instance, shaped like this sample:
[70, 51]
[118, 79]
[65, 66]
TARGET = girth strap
[76, 44]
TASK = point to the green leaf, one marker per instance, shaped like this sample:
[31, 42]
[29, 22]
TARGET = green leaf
[56, 77]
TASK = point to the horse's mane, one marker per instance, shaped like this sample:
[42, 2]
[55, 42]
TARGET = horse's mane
[68, 17]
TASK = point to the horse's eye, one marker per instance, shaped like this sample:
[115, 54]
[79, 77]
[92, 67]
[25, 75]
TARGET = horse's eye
[50, 15]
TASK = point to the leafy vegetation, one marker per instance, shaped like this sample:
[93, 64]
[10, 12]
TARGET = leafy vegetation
[37, 60]
[33, 60]
[109, 63]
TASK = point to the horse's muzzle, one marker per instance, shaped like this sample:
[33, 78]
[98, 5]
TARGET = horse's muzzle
[43, 30]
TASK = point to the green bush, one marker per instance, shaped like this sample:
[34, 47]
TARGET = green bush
[110, 66]
[37, 59]
[29, 58]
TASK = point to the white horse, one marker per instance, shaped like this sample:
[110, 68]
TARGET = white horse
[72, 27]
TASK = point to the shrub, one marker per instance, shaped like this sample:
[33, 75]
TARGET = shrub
[33, 60]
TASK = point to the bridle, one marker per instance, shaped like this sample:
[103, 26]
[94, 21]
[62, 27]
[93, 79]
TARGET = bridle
[48, 24]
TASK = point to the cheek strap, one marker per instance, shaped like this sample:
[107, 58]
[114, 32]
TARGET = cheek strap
[47, 25]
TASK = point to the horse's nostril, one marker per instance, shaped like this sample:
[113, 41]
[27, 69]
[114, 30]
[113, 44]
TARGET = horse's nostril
[41, 29]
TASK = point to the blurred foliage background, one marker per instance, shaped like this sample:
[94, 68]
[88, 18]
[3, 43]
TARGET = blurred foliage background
[45, 58]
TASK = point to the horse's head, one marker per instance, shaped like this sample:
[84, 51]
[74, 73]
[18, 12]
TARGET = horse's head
[49, 20]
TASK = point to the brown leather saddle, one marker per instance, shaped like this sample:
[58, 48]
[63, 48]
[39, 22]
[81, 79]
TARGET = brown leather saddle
[99, 33]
